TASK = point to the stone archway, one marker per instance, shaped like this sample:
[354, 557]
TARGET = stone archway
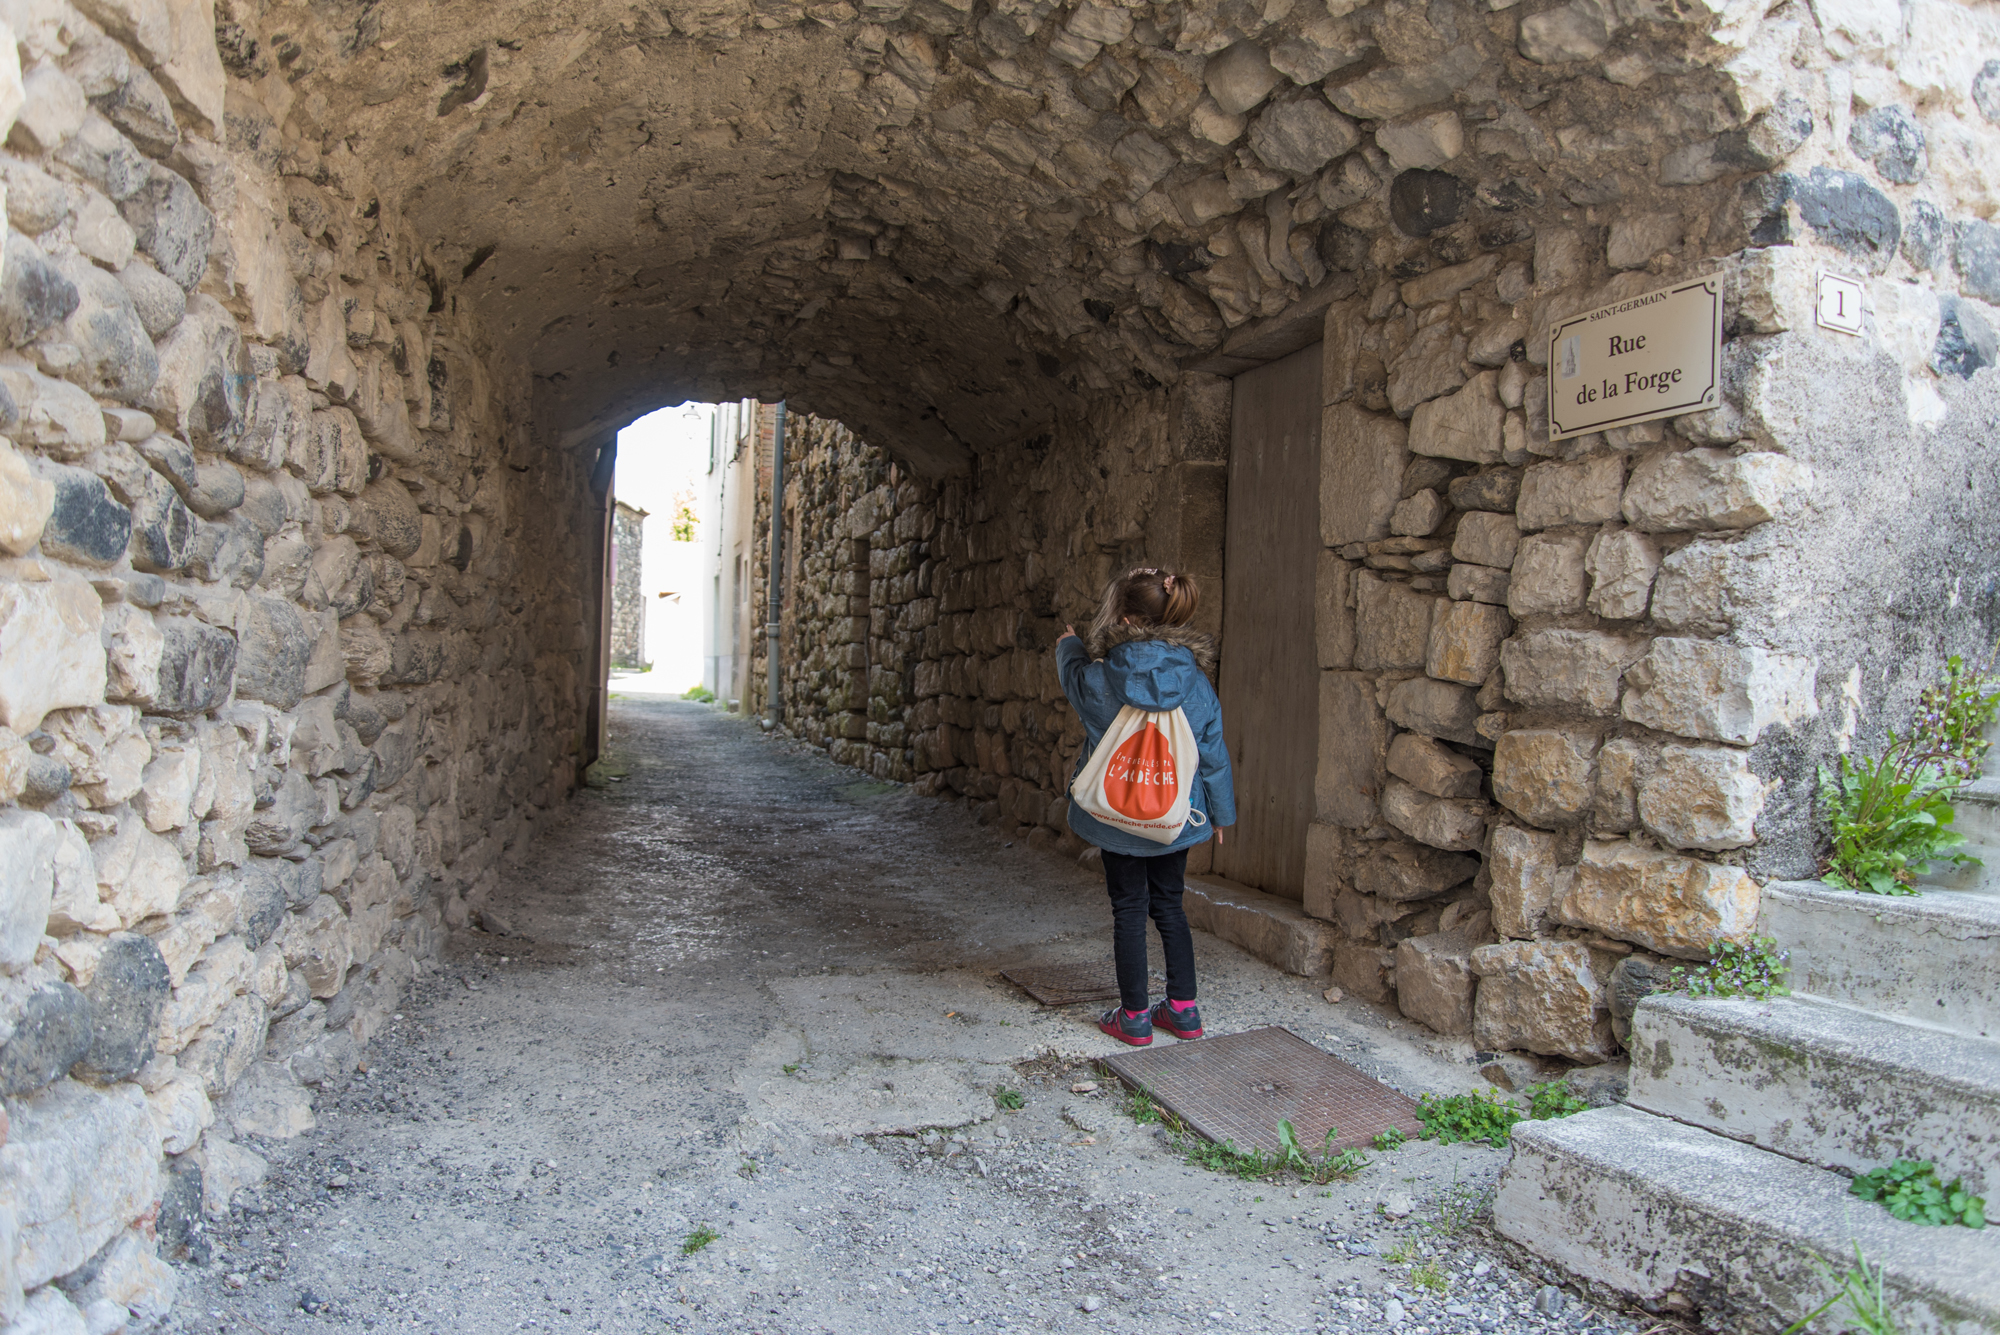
[320, 320]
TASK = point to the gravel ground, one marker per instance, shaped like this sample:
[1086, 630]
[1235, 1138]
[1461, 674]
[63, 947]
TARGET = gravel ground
[744, 997]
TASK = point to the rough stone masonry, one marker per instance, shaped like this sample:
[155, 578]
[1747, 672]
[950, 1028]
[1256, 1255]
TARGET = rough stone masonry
[318, 318]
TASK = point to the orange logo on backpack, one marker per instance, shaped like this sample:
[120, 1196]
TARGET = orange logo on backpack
[1140, 782]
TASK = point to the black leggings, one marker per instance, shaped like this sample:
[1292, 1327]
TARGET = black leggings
[1138, 887]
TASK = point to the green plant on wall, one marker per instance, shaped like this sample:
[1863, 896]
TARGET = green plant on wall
[1756, 969]
[1953, 715]
[1890, 815]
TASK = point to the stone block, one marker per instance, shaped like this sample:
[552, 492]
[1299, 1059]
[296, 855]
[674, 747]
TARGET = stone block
[1392, 623]
[1435, 982]
[1496, 490]
[1433, 767]
[1365, 971]
[1465, 641]
[226, 1169]
[1636, 238]
[228, 1046]
[1586, 491]
[1362, 455]
[1703, 489]
[115, 353]
[127, 1280]
[51, 654]
[139, 873]
[60, 418]
[84, 524]
[1548, 576]
[80, 1164]
[1475, 583]
[1487, 539]
[1275, 930]
[1432, 364]
[1621, 564]
[197, 667]
[26, 502]
[317, 941]
[158, 299]
[1426, 141]
[1670, 904]
[1397, 873]
[1353, 742]
[1465, 425]
[1301, 137]
[1434, 708]
[35, 295]
[268, 1102]
[1526, 880]
[1418, 515]
[1541, 996]
[1615, 807]
[1333, 613]
[1454, 824]
[1575, 31]
[273, 652]
[51, 1033]
[29, 844]
[1568, 669]
[1325, 866]
[1701, 797]
[1699, 588]
[1239, 77]
[1545, 776]
[171, 225]
[1718, 692]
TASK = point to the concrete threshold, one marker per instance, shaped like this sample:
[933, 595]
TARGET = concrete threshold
[1823, 1083]
[1654, 1208]
[1933, 957]
[1275, 930]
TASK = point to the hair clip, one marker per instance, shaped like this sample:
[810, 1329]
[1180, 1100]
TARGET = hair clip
[1168, 582]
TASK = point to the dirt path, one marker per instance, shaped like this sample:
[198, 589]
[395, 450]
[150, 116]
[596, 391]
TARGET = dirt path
[746, 994]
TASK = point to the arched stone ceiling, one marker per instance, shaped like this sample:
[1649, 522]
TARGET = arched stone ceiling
[942, 221]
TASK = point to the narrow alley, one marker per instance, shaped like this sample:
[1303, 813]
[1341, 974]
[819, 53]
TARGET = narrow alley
[740, 992]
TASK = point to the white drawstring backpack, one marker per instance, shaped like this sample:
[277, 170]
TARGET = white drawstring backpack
[1139, 777]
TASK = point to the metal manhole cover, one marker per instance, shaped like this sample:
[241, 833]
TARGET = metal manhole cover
[1237, 1087]
[1065, 984]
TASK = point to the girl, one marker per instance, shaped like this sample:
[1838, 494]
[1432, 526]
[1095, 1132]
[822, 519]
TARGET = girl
[1142, 653]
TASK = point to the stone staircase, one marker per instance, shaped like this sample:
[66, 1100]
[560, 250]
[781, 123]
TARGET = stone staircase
[1726, 1172]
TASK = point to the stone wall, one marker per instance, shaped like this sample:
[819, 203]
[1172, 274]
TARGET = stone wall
[922, 617]
[289, 639]
[628, 590]
[1577, 693]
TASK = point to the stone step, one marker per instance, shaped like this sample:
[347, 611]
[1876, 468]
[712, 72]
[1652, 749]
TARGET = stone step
[1827, 1084]
[1977, 817]
[1933, 957]
[1275, 930]
[1679, 1216]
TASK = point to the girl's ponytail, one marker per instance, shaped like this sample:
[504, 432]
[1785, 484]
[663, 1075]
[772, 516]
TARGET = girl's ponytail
[1147, 596]
[1183, 596]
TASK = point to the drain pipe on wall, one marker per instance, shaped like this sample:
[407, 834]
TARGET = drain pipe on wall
[774, 600]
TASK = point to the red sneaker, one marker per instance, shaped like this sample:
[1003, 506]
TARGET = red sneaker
[1134, 1029]
[1181, 1024]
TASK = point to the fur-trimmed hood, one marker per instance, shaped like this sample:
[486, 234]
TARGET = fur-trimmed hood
[1198, 643]
[1155, 667]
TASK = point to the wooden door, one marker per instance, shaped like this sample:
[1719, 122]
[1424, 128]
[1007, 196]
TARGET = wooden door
[1270, 668]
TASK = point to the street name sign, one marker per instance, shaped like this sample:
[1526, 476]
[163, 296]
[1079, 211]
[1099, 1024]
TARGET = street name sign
[1657, 355]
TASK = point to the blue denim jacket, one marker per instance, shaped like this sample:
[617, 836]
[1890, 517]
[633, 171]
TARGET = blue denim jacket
[1151, 668]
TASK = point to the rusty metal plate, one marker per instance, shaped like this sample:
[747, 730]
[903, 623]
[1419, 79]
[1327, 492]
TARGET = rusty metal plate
[1065, 984]
[1237, 1087]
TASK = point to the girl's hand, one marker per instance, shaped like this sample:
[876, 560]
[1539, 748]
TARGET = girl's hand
[1069, 633]
[1218, 835]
